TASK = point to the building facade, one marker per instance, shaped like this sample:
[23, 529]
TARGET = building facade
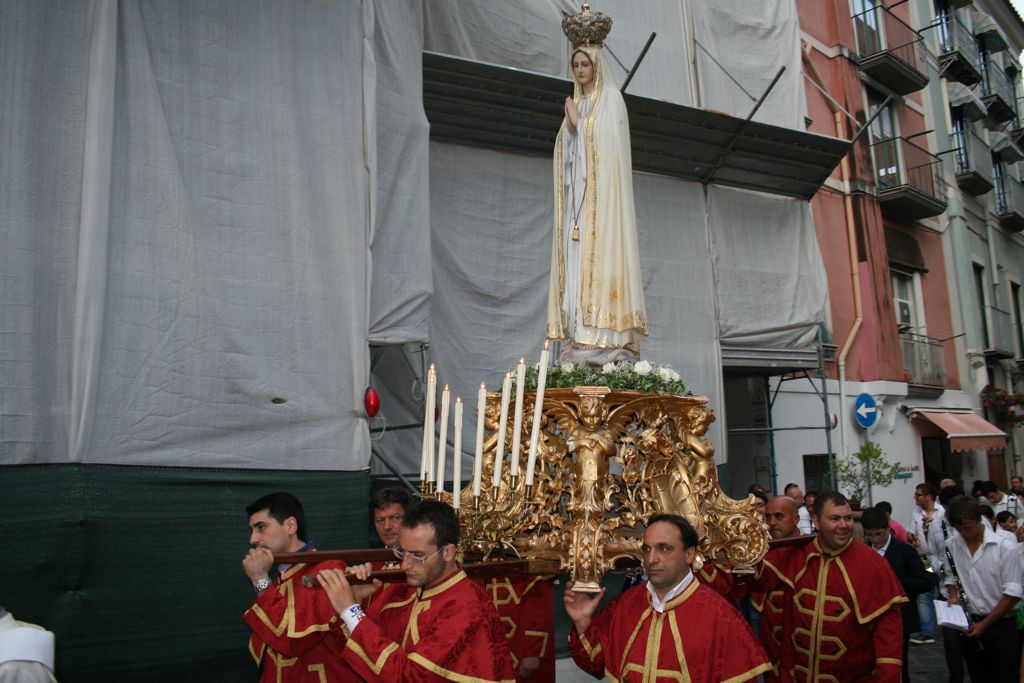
[918, 228]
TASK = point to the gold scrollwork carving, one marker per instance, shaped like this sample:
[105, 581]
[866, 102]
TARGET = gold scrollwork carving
[606, 461]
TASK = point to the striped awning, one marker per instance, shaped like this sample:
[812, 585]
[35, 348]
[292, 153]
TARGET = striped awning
[986, 30]
[965, 431]
[1004, 145]
[967, 100]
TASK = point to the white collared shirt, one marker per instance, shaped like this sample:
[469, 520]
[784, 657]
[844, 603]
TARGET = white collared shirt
[657, 603]
[1010, 503]
[930, 533]
[881, 551]
[992, 572]
[804, 523]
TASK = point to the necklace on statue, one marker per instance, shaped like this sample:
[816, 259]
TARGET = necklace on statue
[578, 209]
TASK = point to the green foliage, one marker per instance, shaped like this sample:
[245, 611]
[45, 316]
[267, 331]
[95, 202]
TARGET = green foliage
[1002, 406]
[624, 376]
[868, 467]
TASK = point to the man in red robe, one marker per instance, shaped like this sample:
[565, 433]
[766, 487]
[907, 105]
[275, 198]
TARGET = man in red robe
[527, 611]
[439, 625]
[841, 609]
[783, 516]
[672, 623]
[387, 508]
[290, 623]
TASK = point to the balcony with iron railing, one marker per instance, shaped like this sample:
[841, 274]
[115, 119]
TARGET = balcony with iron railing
[958, 51]
[999, 339]
[908, 179]
[923, 359]
[1010, 203]
[972, 160]
[998, 94]
[890, 51]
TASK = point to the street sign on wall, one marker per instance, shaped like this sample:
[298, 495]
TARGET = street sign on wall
[865, 410]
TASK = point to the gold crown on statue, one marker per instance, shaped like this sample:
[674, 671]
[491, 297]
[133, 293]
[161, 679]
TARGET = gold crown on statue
[586, 28]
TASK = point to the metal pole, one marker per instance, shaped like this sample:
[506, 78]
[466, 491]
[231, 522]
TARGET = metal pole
[643, 53]
[391, 468]
[771, 438]
[824, 402]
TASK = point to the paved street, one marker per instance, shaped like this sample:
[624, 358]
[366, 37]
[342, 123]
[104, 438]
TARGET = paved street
[928, 663]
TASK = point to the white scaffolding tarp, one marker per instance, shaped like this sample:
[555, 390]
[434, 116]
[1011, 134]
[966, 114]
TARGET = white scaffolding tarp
[187, 193]
[210, 210]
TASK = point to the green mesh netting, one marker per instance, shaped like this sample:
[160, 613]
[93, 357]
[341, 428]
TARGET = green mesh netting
[138, 569]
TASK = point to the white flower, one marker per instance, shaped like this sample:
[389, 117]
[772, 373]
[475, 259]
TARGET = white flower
[642, 368]
[568, 367]
[665, 374]
[673, 375]
[608, 368]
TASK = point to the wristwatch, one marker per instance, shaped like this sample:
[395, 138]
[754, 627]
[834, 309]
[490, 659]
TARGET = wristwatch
[262, 585]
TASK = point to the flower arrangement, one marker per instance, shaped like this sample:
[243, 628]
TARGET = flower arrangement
[1001, 404]
[640, 376]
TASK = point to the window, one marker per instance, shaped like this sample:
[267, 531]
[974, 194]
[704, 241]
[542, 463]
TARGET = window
[1015, 313]
[883, 135]
[816, 477]
[904, 301]
[866, 25]
[959, 135]
[998, 172]
[979, 289]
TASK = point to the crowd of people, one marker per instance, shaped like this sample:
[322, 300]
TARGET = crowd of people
[845, 603]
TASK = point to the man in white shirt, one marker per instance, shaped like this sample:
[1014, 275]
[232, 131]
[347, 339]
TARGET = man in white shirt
[989, 572]
[1000, 501]
[793, 491]
[26, 651]
[925, 523]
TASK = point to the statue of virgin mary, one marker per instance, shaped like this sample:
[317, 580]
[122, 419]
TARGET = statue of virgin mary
[595, 297]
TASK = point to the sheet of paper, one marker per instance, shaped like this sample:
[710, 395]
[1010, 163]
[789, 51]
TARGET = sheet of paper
[951, 616]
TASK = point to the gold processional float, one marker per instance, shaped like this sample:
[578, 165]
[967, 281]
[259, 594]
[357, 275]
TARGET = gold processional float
[577, 468]
[599, 462]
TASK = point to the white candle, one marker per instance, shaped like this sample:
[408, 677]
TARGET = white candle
[442, 443]
[427, 463]
[538, 409]
[457, 458]
[478, 456]
[499, 453]
[517, 422]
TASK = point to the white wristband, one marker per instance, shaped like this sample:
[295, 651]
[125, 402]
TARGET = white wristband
[352, 616]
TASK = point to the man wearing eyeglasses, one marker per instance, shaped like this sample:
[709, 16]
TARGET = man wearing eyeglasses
[927, 537]
[438, 624]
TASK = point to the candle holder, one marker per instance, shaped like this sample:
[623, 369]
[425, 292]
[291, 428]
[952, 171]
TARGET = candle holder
[586, 517]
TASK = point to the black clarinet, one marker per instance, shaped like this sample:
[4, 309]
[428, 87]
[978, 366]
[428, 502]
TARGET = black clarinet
[964, 602]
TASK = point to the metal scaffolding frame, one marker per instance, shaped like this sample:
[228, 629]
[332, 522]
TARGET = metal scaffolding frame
[810, 375]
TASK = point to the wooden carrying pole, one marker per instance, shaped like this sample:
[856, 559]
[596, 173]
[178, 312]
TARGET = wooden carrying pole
[476, 570]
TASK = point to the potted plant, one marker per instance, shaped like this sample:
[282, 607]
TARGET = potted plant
[1002, 406]
[866, 468]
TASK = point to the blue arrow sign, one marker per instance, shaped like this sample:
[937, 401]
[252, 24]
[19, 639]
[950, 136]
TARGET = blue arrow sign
[865, 410]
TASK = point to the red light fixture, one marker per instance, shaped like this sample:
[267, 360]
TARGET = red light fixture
[371, 402]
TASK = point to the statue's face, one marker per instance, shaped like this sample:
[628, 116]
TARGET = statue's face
[582, 69]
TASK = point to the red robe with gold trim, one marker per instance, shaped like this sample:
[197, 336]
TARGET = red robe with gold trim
[771, 606]
[526, 607]
[841, 614]
[291, 635]
[699, 635]
[446, 633]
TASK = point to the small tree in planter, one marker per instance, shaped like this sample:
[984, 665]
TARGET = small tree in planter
[868, 467]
